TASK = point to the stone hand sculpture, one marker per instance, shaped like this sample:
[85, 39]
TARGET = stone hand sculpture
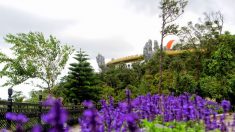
[156, 46]
[100, 61]
[148, 50]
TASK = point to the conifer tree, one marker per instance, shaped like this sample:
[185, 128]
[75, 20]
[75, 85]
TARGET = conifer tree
[81, 80]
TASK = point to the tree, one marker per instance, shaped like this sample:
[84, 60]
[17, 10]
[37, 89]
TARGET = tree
[34, 95]
[107, 92]
[219, 68]
[81, 80]
[200, 35]
[34, 57]
[171, 10]
[212, 88]
[121, 76]
[18, 96]
[202, 39]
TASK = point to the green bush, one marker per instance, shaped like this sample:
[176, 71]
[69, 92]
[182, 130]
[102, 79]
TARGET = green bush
[159, 126]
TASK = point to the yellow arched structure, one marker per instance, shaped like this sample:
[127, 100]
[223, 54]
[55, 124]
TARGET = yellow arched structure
[126, 59]
[135, 58]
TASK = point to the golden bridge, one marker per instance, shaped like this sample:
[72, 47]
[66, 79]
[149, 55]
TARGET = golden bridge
[134, 58]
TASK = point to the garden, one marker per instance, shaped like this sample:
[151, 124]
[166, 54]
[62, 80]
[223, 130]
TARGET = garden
[192, 90]
[152, 113]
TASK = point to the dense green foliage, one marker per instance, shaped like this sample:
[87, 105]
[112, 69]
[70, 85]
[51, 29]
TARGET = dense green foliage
[158, 125]
[207, 69]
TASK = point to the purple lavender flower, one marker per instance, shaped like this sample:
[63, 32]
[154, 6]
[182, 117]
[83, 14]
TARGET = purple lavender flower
[107, 111]
[233, 124]
[223, 127]
[91, 120]
[20, 119]
[226, 105]
[128, 96]
[88, 103]
[131, 120]
[128, 113]
[11, 116]
[49, 102]
[37, 128]
[3, 130]
[57, 115]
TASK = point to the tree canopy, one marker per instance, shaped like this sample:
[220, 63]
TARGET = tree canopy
[80, 81]
[34, 57]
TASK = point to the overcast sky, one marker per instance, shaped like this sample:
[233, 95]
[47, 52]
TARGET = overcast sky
[114, 28]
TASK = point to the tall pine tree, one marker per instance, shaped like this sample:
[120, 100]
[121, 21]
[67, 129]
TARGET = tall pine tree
[81, 80]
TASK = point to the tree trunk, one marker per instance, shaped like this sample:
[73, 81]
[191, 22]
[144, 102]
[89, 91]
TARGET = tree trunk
[161, 55]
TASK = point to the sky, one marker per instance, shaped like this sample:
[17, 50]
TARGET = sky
[114, 28]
